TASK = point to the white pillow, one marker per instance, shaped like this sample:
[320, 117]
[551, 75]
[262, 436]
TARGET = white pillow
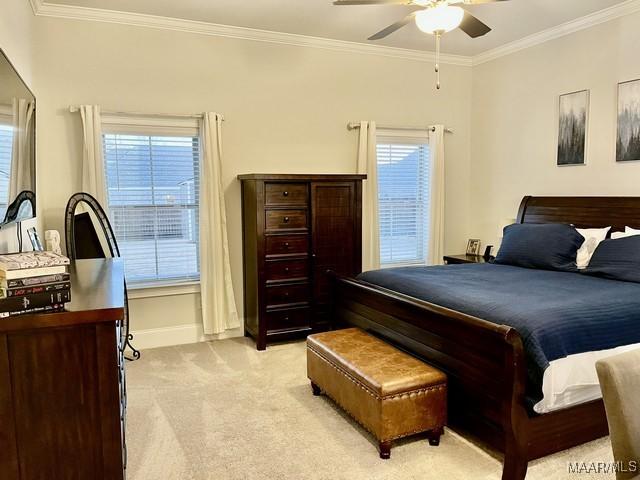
[628, 232]
[592, 238]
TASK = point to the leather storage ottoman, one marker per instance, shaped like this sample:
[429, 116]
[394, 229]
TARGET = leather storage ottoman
[387, 391]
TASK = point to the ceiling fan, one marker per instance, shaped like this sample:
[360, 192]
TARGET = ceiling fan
[435, 17]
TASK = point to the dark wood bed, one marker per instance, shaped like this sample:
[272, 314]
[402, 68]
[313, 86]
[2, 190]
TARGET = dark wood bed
[485, 362]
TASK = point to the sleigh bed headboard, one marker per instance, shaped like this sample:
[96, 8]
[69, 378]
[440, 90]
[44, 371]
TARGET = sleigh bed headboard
[583, 212]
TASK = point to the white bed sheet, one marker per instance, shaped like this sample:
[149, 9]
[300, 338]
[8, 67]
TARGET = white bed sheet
[573, 380]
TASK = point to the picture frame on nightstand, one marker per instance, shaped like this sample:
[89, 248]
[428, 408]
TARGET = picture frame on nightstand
[473, 246]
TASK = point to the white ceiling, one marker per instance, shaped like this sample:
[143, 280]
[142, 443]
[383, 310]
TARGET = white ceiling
[511, 20]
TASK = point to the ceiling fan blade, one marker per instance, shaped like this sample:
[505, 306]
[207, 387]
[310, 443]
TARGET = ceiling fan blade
[372, 2]
[473, 27]
[392, 28]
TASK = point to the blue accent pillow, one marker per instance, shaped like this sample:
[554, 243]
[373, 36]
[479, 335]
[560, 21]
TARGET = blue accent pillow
[546, 246]
[617, 259]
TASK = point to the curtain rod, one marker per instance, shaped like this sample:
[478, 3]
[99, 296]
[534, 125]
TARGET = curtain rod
[74, 109]
[354, 125]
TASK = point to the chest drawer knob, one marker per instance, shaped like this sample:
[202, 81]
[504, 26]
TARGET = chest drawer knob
[286, 269]
[286, 244]
[285, 194]
[286, 219]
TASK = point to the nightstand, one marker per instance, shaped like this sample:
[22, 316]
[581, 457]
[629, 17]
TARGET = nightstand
[457, 259]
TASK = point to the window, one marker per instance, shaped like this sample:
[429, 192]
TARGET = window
[152, 176]
[6, 147]
[403, 199]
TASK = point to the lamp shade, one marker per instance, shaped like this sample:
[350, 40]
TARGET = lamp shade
[442, 18]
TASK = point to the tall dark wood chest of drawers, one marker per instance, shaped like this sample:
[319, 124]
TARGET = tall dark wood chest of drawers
[295, 229]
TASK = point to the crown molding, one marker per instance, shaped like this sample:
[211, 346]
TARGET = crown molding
[582, 23]
[35, 6]
[42, 8]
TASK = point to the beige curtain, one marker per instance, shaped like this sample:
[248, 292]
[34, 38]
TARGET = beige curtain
[216, 290]
[436, 203]
[22, 168]
[93, 169]
[368, 164]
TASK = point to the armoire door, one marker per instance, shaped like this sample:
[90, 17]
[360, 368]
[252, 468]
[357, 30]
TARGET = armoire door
[335, 231]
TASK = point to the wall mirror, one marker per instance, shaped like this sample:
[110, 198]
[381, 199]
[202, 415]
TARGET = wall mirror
[17, 146]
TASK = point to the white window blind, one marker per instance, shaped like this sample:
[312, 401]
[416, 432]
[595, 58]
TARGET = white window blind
[403, 199]
[153, 192]
[6, 146]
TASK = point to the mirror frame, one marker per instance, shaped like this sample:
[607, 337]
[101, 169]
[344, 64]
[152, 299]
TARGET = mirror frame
[32, 199]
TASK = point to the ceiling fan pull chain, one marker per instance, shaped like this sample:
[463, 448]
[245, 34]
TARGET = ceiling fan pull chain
[438, 35]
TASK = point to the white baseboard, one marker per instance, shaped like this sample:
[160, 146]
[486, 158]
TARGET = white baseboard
[178, 335]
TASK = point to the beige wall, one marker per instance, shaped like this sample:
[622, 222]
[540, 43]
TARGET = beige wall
[515, 122]
[16, 35]
[286, 110]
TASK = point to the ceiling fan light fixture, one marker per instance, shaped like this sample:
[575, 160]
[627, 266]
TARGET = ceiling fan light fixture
[442, 18]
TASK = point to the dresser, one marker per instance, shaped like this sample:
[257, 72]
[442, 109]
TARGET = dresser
[62, 390]
[295, 229]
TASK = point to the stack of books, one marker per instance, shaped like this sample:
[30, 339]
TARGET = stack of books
[33, 282]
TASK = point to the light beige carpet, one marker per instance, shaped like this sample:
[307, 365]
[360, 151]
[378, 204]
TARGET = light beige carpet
[222, 410]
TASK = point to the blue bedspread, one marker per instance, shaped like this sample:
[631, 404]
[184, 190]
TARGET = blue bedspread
[556, 313]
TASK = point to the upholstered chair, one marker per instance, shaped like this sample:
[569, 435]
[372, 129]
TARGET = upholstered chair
[620, 383]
